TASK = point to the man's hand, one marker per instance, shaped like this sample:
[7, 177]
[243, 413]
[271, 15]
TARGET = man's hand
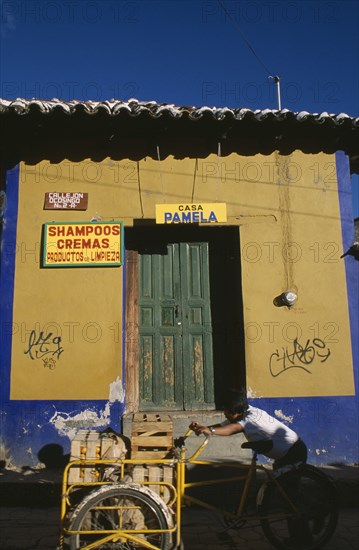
[217, 429]
[198, 429]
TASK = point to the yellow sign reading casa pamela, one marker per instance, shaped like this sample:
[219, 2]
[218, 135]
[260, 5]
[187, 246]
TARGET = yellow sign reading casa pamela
[191, 213]
[83, 244]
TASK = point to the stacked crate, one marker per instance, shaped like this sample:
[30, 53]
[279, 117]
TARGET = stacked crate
[152, 438]
[152, 435]
[91, 445]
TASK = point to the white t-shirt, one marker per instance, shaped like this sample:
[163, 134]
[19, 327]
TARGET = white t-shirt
[259, 425]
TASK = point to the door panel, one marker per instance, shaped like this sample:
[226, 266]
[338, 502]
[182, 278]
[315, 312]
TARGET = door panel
[175, 332]
[159, 334]
[197, 326]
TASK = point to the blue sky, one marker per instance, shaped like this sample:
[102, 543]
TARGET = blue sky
[187, 52]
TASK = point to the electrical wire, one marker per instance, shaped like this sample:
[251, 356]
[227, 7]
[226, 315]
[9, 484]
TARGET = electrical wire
[194, 179]
[139, 188]
[244, 38]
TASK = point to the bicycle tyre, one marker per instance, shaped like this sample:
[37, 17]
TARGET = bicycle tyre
[315, 496]
[120, 507]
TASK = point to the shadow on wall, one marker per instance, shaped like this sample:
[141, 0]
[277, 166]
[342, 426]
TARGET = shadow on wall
[52, 456]
[29, 486]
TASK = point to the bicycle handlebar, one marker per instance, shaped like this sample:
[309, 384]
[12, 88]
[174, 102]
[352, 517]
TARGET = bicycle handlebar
[200, 448]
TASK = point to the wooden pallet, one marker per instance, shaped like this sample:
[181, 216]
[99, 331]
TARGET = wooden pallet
[152, 435]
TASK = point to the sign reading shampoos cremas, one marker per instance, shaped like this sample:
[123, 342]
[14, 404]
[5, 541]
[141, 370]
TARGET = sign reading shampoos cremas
[191, 213]
[83, 244]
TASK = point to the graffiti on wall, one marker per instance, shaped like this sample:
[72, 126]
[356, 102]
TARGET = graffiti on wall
[298, 356]
[44, 346]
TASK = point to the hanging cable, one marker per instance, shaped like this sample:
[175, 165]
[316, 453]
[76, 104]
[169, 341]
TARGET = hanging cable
[159, 160]
[244, 38]
[275, 78]
[219, 154]
[139, 188]
[194, 179]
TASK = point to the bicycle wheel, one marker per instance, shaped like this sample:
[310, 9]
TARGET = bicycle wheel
[314, 496]
[121, 507]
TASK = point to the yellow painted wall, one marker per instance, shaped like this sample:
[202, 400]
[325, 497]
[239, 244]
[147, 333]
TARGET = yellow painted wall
[288, 212]
[82, 305]
[300, 250]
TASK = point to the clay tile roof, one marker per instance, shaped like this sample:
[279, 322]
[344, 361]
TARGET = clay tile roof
[134, 108]
[25, 122]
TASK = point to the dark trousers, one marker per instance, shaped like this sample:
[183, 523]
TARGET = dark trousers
[298, 529]
[297, 453]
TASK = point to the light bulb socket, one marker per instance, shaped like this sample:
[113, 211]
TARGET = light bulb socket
[289, 298]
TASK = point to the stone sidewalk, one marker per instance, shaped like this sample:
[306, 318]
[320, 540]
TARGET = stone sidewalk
[30, 516]
[38, 529]
[36, 487]
[201, 532]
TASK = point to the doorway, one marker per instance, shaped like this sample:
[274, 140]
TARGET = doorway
[184, 311]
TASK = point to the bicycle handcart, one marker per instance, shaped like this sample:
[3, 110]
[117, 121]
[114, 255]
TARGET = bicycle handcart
[296, 508]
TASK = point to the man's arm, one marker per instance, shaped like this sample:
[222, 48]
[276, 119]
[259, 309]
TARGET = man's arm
[216, 429]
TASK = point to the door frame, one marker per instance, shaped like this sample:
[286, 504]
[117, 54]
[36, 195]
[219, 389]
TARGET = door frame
[234, 372]
[132, 386]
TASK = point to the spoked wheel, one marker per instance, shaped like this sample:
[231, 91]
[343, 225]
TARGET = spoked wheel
[121, 517]
[314, 497]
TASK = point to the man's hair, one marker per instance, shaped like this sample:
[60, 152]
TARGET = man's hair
[236, 401]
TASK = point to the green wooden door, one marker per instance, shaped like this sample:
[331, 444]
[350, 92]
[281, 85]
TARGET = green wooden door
[175, 329]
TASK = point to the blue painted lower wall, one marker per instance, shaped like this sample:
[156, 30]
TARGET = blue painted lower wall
[329, 426]
[29, 427]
